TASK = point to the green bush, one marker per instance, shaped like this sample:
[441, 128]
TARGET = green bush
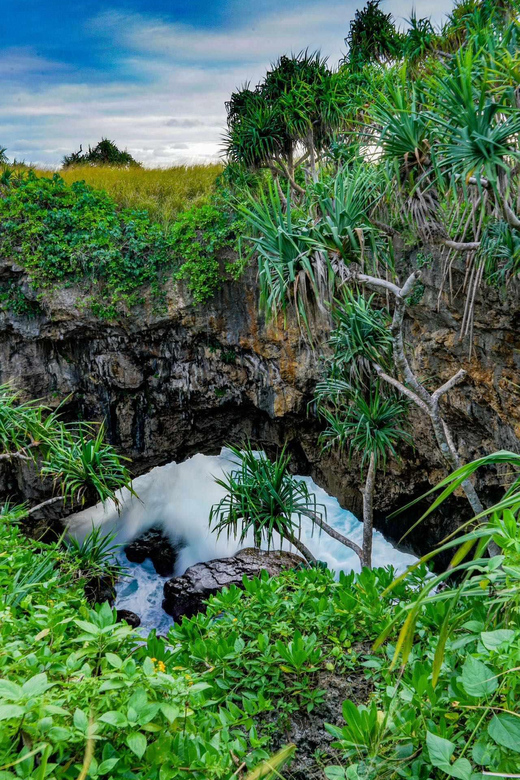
[64, 234]
[77, 687]
[103, 153]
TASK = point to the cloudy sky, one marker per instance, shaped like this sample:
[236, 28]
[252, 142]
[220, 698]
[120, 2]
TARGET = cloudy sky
[152, 75]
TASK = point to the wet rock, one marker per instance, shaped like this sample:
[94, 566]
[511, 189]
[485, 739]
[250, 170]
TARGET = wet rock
[100, 589]
[186, 595]
[129, 617]
[154, 545]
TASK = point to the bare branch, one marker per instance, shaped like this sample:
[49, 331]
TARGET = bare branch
[320, 522]
[14, 456]
[461, 246]
[511, 218]
[402, 388]
[407, 287]
[388, 229]
[48, 502]
[447, 386]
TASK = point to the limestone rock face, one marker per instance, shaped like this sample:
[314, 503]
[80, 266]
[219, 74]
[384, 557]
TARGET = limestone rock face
[186, 595]
[192, 378]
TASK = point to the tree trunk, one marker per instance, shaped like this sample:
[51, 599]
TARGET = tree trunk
[336, 535]
[368, 513]
[309, 557]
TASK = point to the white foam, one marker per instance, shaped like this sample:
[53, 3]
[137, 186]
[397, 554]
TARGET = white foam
[178, 498]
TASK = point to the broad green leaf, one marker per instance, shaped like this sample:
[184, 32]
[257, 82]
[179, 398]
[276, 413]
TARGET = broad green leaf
[335, 773]
[114, 660]
[201, 686]
[59, 734]
[477, 678]
[113, 718]
[36, 685]
[493, 639]
[505, 730]
[170, 712]
[461, 769]
[8, 711]
[10, 690]
[106, 766]
[440, 750]
[137, 743]
[106, 615]
[80, 721]
[90, 628]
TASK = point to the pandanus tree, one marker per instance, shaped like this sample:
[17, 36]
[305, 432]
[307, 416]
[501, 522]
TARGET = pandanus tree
[438, 169]
[287, 119]
[362, 417]
[372, 37]
[263, 498]
[74, 456]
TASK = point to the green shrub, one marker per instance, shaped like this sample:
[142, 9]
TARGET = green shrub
[103, 153]
[13, 299]
[74, 234]
[79, 690]
[201, 234]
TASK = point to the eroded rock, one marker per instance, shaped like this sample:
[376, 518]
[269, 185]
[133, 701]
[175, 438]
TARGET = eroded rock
[186, 595]
[154, 544]
[129, 617]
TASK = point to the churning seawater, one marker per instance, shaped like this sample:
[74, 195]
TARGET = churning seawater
[177, 498]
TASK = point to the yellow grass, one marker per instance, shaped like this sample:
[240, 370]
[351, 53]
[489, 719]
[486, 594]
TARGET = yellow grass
[163, 192]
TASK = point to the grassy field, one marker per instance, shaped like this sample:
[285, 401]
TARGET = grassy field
[163, 192]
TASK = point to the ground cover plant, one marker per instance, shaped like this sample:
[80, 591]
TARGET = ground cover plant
[79, 693]
[64, 234]
[447, 703]
[162, 192]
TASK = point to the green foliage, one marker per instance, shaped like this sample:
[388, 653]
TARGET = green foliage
[80, 691]
[13, 299]
[75, 456]
[277, 637]
[73, 234]
[366, 424]
[300, 101]
[65, 234]
[3, 156]
[76, 691]
[361, 339]
[95, 556]
[201, 237]
[103, 153]
[452, 705]
[372, 37]
[80, 460]
[262, 497]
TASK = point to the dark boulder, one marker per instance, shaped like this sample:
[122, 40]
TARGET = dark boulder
[186, 595]
[154, 544]
[100, 589]
[129, 617]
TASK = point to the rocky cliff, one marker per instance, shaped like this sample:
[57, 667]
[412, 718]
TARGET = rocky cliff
[190, 379]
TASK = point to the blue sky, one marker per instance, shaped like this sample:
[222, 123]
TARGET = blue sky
[152, 75]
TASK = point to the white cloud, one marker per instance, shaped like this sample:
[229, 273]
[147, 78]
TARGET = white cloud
[169, 107]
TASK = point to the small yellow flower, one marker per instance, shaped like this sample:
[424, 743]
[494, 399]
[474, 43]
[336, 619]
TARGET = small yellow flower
[161, 667]
[153, 660]
[235, 620]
